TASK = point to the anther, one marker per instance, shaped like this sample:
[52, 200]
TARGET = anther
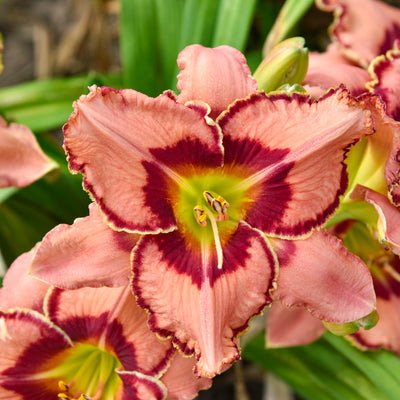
[201, 215]
[219, 204]
[63, 386]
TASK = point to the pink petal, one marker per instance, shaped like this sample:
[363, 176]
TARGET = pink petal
[386, 333]
[319, 79]
[291, 326]
[332, 55]
[203, 307]
[87, 253]
[21, 159]
[292, 151]
[389, 215]
[115, 138]
[321, 275]
[20, 289]
[110, 318]
[386, 71]
[364, 28]
[181, 381]
[28, 342]
[218, 76]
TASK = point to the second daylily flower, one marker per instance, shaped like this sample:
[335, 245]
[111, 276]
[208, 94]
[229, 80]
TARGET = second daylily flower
[205, 194]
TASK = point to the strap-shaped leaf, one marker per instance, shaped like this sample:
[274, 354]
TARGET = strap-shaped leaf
[331, 368]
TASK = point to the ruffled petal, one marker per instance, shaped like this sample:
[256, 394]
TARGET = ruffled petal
[386, 74]
[291, 327]
[203, 307]
[218, 76]
[292, 151]
[386, 333]
[28, 344]
[181, 381]
[21, 159]
[20, 289]
[113, 138]
[322, 276]
[364, 28]
[110, 318]
[87, 253]
[389, 216]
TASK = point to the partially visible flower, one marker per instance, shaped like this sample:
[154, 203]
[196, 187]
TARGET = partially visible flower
[362, 29]
[89, 343]
[21, 159]
[363, 34]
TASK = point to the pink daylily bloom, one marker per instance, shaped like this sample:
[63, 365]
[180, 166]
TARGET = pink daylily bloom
[21, 159]
[91, 342]
[89, 242]
[204, 194]
[364, 29]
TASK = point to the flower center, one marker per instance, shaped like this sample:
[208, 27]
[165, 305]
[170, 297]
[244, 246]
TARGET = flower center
[208, 208]
[85, 372]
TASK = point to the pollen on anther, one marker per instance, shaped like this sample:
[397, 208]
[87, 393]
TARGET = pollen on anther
[201, 216]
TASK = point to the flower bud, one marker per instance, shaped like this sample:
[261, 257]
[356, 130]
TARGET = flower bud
[287, 63]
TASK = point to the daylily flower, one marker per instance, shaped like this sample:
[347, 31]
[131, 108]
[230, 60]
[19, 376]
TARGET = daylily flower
[21, 159]
[88, 343]
[362, 29]
[203, 194]
[361, 32]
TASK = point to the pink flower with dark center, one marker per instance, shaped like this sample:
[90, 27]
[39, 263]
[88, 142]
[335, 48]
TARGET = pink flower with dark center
[205, 194]
[89, 343]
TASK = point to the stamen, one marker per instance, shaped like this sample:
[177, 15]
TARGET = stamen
[219, 204]
[201, 215]
[63, 386]
[216, 239]
[65, 389]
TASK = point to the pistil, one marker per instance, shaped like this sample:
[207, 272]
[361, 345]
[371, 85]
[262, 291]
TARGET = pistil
[219, 205]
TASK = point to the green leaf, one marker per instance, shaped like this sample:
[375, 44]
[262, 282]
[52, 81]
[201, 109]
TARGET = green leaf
[47, 104]
[233, 22]
[169, 21]
[331, 368]
[289, 16]
[138, 44]
[198, 18]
